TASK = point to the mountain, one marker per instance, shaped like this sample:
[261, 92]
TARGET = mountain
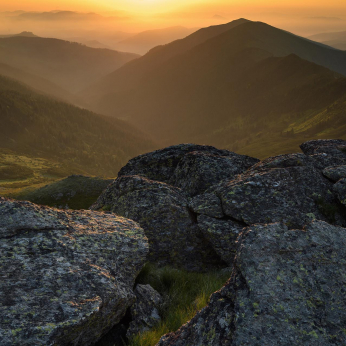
[141, 43]
[132, 73]
[37, 126]
[333, 39]
[69, 65]
[40, 84]
[22, 34]
[250, 82]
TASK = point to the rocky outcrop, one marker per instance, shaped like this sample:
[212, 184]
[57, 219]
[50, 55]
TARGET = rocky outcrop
[66, 276]
[162, 211]
[191, 167]
[335, 148]
[294, 195]
[335, 173]
[222, 234]
[145, 312]
[197, 171]
[287, 288]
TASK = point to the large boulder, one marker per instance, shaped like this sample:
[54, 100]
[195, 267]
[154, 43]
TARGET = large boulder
[287, 288]
[335, 148]
[294, 195]
[191, 167]
[335, 173]
[66, 277]
[222, 234]
[162, 211]
[145, 312]
[198, 171]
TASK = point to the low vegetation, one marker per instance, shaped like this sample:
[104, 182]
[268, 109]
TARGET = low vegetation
[184, 294]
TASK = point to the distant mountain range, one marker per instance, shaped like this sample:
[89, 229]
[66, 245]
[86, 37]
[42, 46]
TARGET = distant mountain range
[333, 39]
[22, 34]
[142, 42]
[227, 85]
[70, 66]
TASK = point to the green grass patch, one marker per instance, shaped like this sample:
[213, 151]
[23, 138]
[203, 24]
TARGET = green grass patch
[184, 294]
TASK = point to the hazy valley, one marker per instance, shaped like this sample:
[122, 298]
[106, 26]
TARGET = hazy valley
[165, 185]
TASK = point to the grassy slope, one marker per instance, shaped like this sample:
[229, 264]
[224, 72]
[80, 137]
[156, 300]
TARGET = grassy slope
[73, 192]
[42, 139]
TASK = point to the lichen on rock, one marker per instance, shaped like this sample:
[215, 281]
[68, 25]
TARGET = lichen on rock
[66, 276]
[287, 288]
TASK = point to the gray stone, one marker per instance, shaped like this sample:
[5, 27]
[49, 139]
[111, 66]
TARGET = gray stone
[287, 288]
[222, 234]
[207, 204]
[162, 211]
[145, 312]
[295, 195]
[340, 190]
[198, 171]
[335, 173]
[66, 276]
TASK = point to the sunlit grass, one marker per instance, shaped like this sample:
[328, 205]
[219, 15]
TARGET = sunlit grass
[184, 294]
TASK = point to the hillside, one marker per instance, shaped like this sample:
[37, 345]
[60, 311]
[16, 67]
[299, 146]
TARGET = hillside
[69, 65]
[233, 90]
[142, 42]
[131, 74]
[56, 139]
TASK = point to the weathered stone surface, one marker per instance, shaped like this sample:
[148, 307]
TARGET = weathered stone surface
[66, 276]
[191, 167]
[162, 211]
[287, 288]
[294, 195]
[333, 147]
[284, 161]
[222, 234]
[340, 190]
[145, 312]
[335, 173]
[207, 204]
[197, 171]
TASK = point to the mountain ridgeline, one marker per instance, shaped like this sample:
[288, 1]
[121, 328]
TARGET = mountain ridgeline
[39, 126]
[69, 65]
[233, 86]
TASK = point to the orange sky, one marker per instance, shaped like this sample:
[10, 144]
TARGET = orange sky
[298, 16]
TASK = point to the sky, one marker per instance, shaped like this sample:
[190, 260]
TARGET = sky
[304, 17]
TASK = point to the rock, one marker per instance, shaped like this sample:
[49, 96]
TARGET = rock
[222, 234]
[340, 190]
[287, 288]
[284, 161]
[294, 195]
[66, 276]
[192, 167]
[145, 312]
[333, 147]
[197, 171]
[162, 211]
[335, 173]
[207, 204]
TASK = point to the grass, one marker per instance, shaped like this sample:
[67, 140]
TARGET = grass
[184, 294]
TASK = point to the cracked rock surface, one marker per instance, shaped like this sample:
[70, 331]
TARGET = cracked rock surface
[287, 288]
[66, 276]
